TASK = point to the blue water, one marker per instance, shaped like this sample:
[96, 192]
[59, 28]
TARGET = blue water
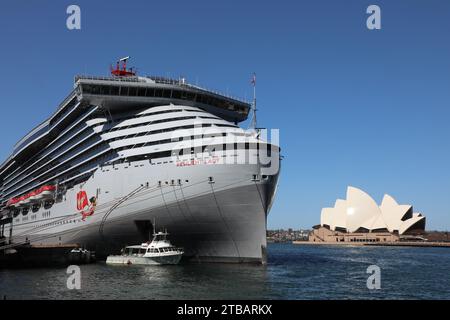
[292, 272]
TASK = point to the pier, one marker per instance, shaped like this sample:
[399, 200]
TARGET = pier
[26, 256]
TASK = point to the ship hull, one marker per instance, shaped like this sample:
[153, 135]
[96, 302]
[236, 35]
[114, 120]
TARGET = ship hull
[217, 212]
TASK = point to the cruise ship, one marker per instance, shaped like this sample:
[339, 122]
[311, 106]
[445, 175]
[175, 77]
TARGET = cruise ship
[124, 150]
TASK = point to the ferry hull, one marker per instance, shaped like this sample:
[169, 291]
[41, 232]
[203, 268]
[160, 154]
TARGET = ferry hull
[130, 260]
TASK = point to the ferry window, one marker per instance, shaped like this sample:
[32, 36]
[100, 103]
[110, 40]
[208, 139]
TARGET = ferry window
[158, 93]
[166, 93]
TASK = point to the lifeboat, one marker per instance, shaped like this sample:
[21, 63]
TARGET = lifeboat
[47, 192]
[33, 196]
[21, 201]
[26, 199]
[13, 202]
[43, 193]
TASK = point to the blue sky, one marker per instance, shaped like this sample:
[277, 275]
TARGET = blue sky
[355, 107]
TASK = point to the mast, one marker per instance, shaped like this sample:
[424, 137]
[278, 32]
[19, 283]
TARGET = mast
[253, 124]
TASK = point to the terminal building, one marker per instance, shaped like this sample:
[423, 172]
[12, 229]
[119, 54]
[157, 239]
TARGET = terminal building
[359, 218]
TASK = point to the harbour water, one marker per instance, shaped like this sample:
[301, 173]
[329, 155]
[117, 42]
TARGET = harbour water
[292, 272]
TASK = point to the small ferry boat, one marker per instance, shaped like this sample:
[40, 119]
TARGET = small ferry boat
[159, 251]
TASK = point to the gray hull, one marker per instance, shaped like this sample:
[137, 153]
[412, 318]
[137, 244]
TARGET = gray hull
[223, 220]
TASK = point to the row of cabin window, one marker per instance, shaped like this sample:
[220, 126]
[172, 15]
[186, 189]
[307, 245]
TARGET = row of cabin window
[74, 151]
[69, 164]
[131, 126]
[210, 135]
[151, 122]
[62, 143]
[97, 160]
[188, 151]
[162, 93]
[140, 115]
[67, 109]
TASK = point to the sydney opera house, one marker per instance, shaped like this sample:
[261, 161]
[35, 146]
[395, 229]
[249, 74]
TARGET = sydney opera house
[359, 218]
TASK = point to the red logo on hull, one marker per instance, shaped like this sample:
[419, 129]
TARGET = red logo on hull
[85, 206]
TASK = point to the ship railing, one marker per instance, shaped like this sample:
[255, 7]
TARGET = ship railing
[120, 79]
[182, 82]
[42, 125]
[219, 93]
[66, 100]
[164, 80]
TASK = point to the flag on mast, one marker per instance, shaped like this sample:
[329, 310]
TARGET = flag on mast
[253, 81]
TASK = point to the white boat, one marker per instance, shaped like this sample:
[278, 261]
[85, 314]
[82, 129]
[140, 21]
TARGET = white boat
[160, 251]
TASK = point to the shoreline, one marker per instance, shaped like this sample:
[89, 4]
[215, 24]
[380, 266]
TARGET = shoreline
[384, 244]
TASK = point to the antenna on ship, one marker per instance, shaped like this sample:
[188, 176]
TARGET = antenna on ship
[121, 71]
[253, 124]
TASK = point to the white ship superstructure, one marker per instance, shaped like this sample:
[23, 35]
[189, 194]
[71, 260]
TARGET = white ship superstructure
[121, 151]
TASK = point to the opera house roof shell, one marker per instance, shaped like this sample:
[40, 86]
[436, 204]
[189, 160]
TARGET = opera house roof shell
[360, 213]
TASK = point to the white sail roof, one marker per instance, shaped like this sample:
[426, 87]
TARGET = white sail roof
[360, 210]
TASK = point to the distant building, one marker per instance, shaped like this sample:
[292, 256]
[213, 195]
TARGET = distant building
[287, 235]
[360, 219]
